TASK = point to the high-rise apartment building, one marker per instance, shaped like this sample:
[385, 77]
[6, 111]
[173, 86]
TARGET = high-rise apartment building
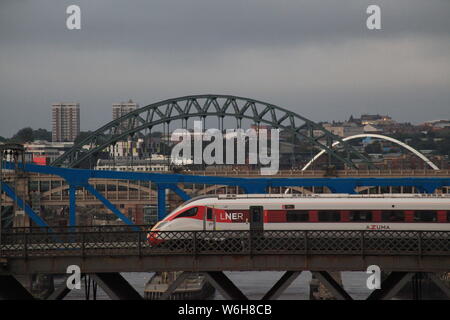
[122, 108]
[65, 121]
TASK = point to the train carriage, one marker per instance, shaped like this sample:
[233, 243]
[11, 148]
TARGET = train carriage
[318, 212]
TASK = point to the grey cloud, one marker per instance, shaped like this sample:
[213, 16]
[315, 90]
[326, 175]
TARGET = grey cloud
[316, 58]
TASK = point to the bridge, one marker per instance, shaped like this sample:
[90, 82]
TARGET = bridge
[103, 253]
[76, 178]
[401, 253]
[182, 109]
[54, 191]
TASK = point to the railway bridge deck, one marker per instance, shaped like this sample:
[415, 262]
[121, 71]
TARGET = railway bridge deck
[402, 253]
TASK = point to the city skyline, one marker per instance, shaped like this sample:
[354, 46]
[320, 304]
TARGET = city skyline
[317, 60]
[121, 108]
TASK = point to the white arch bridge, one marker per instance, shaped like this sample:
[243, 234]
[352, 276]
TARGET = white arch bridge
[377, 136]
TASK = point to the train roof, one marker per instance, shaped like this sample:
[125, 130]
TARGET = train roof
[327, 196]
[381, 201]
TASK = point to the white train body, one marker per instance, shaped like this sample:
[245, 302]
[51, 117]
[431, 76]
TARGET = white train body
[313, 212]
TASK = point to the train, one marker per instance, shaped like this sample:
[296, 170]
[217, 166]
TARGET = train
[405, 212]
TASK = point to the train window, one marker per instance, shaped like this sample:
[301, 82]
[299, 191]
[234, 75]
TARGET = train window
[360, 216]
[297, 216]
[188, 213]
[329, 216]
[425, 216]
[392, 216]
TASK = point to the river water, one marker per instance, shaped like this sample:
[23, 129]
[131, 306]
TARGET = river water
[253, 284]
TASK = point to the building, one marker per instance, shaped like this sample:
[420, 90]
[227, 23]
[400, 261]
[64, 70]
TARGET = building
[345, 129]
[122, 108]
[376, 119]
[368, 128]
[438, 124]
[155, 163]
[65, 122]
[44, 152]
[127, 148]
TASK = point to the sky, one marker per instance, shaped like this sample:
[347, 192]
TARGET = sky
[316, 58]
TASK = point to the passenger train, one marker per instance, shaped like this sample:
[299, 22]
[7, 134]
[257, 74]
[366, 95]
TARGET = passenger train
[310, 212]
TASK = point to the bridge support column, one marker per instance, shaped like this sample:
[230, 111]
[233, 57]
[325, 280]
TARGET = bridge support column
[109, 205]
[224, 285]
[183, 195]
[11, 289]
[391, 285]
[281, 285]
[11, 193]
[161, 202]
[331, 284]
[72, 206]
[174, 285]
[116, 287]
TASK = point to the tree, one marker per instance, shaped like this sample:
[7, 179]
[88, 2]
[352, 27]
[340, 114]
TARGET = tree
[42, 134]
[23, 135]
[83, 135]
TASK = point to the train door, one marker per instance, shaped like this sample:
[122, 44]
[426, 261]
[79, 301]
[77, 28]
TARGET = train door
[209, 219]
[256, 219]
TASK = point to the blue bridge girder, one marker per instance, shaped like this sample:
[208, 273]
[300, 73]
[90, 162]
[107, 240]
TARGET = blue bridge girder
[80, 178]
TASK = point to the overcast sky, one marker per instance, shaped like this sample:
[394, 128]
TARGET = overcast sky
[316, 58]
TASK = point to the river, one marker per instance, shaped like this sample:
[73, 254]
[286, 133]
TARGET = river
[253, 284]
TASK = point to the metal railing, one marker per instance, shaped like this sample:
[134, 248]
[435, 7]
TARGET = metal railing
[121, 243]
[92, 228]
[7, 175]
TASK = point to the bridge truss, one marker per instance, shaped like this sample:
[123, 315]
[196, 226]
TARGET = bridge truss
[200, 107]
[80, 178]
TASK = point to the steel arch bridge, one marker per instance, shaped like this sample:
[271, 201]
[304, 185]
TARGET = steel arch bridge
[202, 106]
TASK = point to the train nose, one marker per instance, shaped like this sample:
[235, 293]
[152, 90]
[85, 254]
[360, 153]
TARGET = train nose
[153, 239]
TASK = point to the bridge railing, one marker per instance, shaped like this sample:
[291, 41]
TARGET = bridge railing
[65, 229]
[143, 243]
[426, 172]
